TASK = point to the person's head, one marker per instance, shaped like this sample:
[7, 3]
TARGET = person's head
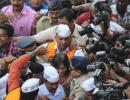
[51, 78]
[29, 89]
[77, 2]
[54, 8]
[66, 4]
[121, 5]
[35, 3]
[63, 37]
[25, 44]
[89, 86]
[17, 4]
[91, 55]
[78, 66]
[121, 40]
[61, 63]
[36, 70]
[67, 16]
[91, 48]
[6, 34]
[104, 9]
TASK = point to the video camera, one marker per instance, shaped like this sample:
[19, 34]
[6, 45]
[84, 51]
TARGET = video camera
[110, 91]
[89, 28]
[101, 16]
[121, 53]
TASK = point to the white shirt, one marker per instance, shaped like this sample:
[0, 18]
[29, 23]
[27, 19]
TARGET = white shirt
[3, 83]
[59, 94]
[50, 33]
[113, 26]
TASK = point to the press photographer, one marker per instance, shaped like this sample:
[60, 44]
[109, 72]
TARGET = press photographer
[114, 91]
[102, 26]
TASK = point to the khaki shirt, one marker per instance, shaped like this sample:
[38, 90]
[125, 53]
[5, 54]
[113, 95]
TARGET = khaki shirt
[49, 34]
[76, 92]
[43, 24]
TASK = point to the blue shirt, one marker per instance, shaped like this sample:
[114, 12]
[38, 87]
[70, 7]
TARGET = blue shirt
[59, 94]
[43, 6]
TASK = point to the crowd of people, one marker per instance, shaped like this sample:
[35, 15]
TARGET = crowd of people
[64, 49]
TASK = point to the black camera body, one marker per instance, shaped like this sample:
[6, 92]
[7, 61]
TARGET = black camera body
[110, 91]
[101, 16]
[119, 54]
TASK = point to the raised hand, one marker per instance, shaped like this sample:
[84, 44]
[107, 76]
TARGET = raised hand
[10, 17]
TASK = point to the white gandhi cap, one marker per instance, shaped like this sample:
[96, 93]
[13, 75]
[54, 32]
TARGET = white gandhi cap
[88, 85]
[30, 85]
[63, 30]
[51, 74]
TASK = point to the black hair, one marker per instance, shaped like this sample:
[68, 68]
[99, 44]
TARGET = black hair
[103, 7]
[8, 28]
[29, 96]
[82, 70]
[55, 5]
[59, 59]
[122, 39]
[66, 3]
[68, 13]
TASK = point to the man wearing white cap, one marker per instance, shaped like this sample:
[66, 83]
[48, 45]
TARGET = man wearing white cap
[30, 89]
[66, 16]
[61, 44]
[51, 88]
[88, 86]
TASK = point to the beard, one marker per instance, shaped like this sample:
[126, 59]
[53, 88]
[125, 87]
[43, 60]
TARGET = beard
[17, 8]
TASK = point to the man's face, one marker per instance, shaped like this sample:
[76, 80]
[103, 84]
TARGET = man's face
[75, 72]
[62, 70]
[51, 86]
[54, 15]
[4, 38]
[63, 43]
[35, 3]
[64, 21]
[17, 4]
[90, 55]
[121, 4]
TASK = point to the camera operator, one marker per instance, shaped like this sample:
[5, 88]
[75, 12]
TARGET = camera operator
[94, 45]
[102, 24]
[107, 74]
[89, 86]
[90, 49]
[119, 53]
[107, 91]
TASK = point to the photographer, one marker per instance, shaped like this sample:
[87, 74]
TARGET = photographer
[115, 91]
[107, 91]
[89, 86]
[102, 24]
